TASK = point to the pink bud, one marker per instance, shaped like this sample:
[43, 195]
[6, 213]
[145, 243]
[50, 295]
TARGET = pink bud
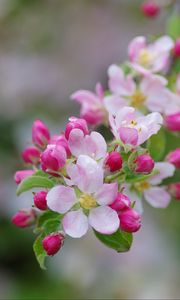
[130, 220]
[52, 243]
[61, 140]
[177, 48]
[53, 158]
[40, 134]
[150, 8]
[114, 161]
[24, 218]
[40, 200]
[172, 122]
[175, 190]
[174, 158]
[121, 202]
[21, 175]
[144, 164]
[31, 155]
[93, 116]
[76, 123]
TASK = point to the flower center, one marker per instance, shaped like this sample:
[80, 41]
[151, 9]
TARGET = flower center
[87, 201]
[141, 186]
[137, 99]
[145, 58]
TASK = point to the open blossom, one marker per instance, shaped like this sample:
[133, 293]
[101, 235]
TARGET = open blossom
[92, 108]
[150, 92]
[94, 198]
[157, 196]
[134, 130]
[154, 57]
[93, 144]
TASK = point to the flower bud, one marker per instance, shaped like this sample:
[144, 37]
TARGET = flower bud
[144, 164]
[130, 220]
[177, 48]
[114, 161]
[31, 155]
[76, 123]
[24, 218]
[52, 243]
[61, 140]
[150, 8]
[172, 122]
[121, 202]
[21, 175]
[53, 158]
[40, 200]
[175, 190]
[174, 158]
[40, 134]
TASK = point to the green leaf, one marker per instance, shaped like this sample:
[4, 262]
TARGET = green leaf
[39, 252]
[156, 145]
[119, 241]
[34, 182]
[47, 215]
[173, 26]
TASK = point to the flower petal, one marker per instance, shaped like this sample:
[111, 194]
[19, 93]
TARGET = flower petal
[61, 198]
[75, 224]
[128, 135]
[135, 46]
[157, 197]
[165, 170]
[104, 219]
[113, 103]
[107, 194]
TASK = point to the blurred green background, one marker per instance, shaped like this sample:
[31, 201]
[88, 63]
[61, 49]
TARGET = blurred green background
[49, 49]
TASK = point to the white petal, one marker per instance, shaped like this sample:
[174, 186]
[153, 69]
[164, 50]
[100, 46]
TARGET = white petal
[165, 170]
[75, 224]
[104, 219]
[106, 195]
[61, 198]
[157, 197]
[113, 103]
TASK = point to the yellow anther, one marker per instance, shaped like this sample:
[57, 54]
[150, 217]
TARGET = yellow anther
[137, 99]
[87, 201]
[141, 186]
[145, 58]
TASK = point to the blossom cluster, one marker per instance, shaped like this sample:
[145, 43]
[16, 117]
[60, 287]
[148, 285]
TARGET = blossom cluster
[85, 181]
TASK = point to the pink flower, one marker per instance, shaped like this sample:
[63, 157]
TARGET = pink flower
[76, 123]
[114, 161]
[53, 158]
[176, 49]
[93, 199]
[150, 92]
[52, 243]
[24, 218]
[130, 220]
[92, 109]
[175, 190]
[40, 134]
[150, 8]
[144, 164]
[154, 57]
[156, 196]
[174, 158]
[40, 200]
[121, 202]
[31, 155]
[21, 175]
[92, 144]
[172, 121]
[134, 130]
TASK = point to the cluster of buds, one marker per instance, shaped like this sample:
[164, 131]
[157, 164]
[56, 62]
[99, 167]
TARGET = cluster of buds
[86, 181]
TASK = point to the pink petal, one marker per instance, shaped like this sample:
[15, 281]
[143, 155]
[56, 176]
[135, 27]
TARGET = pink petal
[99, 144]
[128, 135]
[165, 170]
[76, 142]
[113, 103]
[136, 45]
[85, 97]
[107, 194]
[163, 44]
[75, 224]
[157, 197]
[61, 198]
[104, 219]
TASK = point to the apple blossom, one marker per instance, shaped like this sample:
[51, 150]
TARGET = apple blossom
[150, 8]
[175, 190]
[144, 164]
[52, 243]
[53, 158]
[174, 158]
[114, 161]
[76, 123]
[24, 218]
[172, 121]
[40, 134]
[130, 220]
[40, 200]
[21, 175]
[176, 49]
[121, 202]
[31, 155]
